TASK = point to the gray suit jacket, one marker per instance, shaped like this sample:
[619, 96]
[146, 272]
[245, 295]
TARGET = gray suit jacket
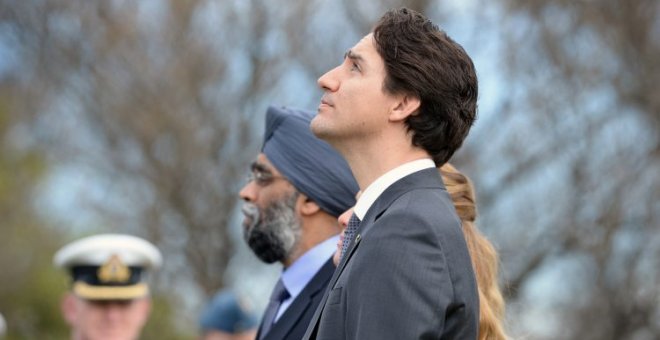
[407, 275]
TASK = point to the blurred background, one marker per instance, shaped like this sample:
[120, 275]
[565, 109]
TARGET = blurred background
[142, 117]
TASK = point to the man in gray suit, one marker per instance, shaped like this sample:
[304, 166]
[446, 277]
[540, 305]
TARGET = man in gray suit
[399, 105]
[298, 185]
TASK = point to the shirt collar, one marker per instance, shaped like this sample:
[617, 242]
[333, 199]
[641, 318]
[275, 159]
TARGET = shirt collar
[375, 189]
[296, 277]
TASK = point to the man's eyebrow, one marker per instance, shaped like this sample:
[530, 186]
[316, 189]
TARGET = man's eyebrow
[353, 56]
[256, 166]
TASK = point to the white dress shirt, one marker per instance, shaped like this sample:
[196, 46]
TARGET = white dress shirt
[375, 189]
[298, 275]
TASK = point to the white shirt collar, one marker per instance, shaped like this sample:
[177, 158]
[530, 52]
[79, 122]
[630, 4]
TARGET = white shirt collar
[375, 189]
[298, 275]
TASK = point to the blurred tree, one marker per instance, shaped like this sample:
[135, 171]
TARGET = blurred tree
[135, 92]
[568, 166]
[28, 301]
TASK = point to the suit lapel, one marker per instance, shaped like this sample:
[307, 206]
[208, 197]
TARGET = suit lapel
[351, 249]
[302, 302]
[313, 324]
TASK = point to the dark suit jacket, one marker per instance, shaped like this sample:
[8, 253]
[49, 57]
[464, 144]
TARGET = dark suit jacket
[407, 275]
[293, 323]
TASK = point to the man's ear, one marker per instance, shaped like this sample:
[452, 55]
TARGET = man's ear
[306, 206]
[406, 106]
[69, 308]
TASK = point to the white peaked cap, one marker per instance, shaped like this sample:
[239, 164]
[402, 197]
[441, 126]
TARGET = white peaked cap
[97, 249]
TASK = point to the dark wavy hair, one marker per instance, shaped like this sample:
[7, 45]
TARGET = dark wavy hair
[422, 61]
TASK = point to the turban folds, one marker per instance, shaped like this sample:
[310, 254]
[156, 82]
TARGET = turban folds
[310, 164]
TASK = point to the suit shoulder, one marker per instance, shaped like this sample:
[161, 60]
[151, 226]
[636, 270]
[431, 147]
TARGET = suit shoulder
[430, 207]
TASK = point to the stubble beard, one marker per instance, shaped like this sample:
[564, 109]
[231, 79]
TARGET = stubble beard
[273, 233]
[323, 129]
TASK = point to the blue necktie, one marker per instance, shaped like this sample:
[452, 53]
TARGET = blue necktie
[279, 294]
[349, 234]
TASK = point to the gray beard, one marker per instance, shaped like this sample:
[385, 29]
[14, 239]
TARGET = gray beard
[273, 234]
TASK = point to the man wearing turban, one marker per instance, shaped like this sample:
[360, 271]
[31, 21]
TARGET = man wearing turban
[297, 187]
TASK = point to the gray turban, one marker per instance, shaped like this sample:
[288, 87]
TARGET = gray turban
[310, 164]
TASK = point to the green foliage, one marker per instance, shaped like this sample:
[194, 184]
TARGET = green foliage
[160, 324]
[29, 287]
[31, 303]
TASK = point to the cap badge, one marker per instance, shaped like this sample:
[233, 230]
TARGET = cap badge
[114, 271]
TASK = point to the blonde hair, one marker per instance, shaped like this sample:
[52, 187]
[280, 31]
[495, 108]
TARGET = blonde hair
[485, 260]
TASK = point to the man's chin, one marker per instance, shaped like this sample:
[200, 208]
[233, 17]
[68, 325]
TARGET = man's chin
[319, 127]
[112, 334]
[267, 255]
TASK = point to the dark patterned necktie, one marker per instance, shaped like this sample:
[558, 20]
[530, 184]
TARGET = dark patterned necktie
[349, 234]
[279, 294]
